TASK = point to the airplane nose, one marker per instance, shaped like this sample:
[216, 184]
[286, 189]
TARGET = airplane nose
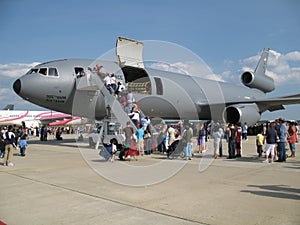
[17, 86]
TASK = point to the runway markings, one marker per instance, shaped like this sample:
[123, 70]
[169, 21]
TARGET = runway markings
[55, 166]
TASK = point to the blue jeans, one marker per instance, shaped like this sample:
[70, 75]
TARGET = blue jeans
[281, 151]
[231, 148]
[292, 147]
[188, 149]
[148, 144]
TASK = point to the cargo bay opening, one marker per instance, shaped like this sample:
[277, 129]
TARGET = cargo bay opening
[129, 55]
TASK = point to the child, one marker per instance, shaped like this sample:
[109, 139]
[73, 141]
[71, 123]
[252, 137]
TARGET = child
[260, 140]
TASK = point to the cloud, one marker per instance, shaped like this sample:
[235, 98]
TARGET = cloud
[198, 68]
[4, 93]
[292, 56]
[7, 96]
[283, 68]
[13, 70]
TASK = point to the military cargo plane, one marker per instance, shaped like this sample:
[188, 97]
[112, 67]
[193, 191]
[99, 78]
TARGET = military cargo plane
[77, 87]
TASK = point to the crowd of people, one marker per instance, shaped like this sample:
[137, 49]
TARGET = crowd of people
[16, 137]
[274, 139]
[10, 138]
[278, 137]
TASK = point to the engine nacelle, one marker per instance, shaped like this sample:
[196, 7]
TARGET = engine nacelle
[242, 113]
[260, 81]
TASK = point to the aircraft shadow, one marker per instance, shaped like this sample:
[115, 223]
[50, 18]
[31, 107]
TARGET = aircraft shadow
[275, 191]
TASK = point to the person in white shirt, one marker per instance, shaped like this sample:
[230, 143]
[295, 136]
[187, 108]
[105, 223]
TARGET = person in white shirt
[113, 83]
[107, 81]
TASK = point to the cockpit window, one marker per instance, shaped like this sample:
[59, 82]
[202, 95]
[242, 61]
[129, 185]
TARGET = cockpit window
[52, 72]
[43, 71]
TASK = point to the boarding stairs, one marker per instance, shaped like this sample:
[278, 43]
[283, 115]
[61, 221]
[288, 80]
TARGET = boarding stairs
[129, 53]
[116, 108]
[86, 82]
[94, 83]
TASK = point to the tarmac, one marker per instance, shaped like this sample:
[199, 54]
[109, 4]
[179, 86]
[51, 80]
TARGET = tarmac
[65, 182]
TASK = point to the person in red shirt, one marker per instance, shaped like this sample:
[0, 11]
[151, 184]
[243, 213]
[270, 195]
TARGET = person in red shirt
[292, 138]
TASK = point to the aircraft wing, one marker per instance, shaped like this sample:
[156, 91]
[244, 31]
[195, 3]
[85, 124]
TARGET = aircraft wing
[292, 96]
[50, 117]
[49, 121]
[63, 120]
[272, 104]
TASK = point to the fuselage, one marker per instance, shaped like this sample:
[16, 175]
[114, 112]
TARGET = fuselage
[56, 85]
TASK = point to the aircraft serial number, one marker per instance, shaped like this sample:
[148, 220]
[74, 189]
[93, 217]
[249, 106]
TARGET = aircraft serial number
[56, 98]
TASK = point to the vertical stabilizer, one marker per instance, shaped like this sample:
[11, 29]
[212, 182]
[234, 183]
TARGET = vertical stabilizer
[258, 79]
[262, 64]
[9, 107]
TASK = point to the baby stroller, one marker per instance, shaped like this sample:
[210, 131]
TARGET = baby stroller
[108, 151]
[129, 152]
[176, 149]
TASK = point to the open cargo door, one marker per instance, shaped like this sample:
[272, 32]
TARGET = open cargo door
[130, 58]
[129, 53]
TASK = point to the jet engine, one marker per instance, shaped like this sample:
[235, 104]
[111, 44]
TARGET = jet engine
[242, 113]
[258, 81]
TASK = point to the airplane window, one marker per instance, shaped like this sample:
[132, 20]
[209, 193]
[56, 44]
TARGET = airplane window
[52, 72]
[32, 71]
[43, 71]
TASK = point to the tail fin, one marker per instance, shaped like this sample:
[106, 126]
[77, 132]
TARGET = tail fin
[258, 79]
[262, 64]
[9, 107]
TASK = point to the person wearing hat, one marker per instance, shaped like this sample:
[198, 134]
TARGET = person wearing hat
[282, 134]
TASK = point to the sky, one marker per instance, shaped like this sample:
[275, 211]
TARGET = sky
[228, 36]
